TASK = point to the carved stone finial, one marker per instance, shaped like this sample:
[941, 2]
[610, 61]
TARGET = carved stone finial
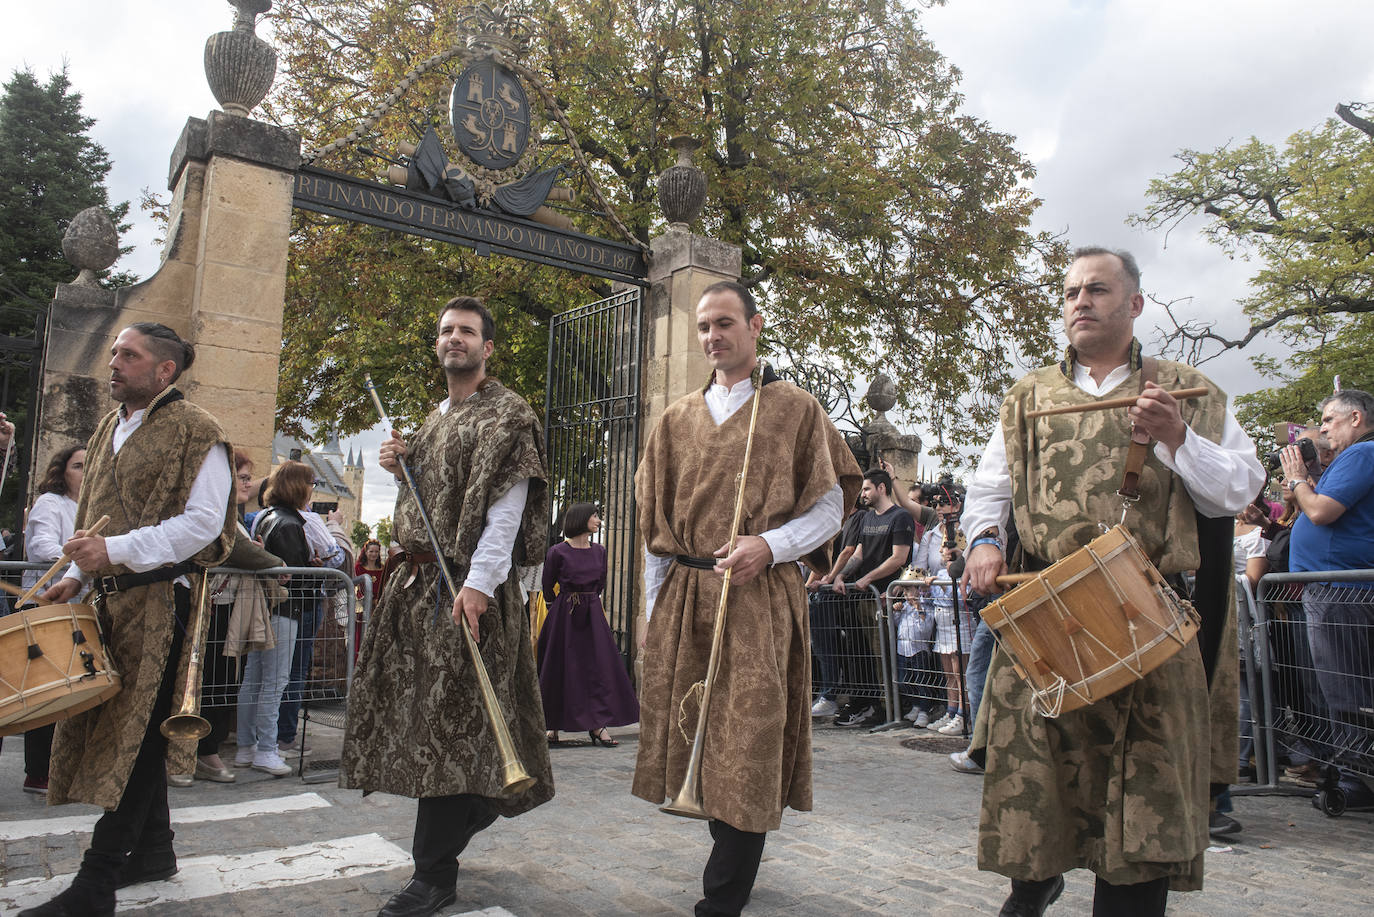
[884, 439]
[882, 394]
[91, 243]
[239, 65]
[682, 186]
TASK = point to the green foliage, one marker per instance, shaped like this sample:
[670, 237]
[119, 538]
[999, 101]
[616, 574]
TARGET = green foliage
[360, 535]
[1304, 214]
[879, 223]
[383, 533]
[50, 170]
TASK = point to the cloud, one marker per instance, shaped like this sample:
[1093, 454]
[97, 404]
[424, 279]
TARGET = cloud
[1103, 94]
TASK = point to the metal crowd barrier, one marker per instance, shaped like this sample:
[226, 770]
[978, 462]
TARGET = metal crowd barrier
[917, 678]
[323, 654]
[1310, 680]
[850, 649]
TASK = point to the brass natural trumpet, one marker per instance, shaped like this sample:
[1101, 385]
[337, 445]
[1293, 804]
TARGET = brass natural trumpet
[187, 723]
[688, 801]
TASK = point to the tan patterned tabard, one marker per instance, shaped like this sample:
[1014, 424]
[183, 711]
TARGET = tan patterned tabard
[416, 723]
[1119, 786]
[757, 757]
[148, 482]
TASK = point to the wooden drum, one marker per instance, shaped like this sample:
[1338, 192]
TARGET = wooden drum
[1090, 625]
[53, 665]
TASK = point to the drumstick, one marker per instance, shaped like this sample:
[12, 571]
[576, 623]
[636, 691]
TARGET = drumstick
[1180, 394]
[62, 561]
[11, 588]
[1015, 579]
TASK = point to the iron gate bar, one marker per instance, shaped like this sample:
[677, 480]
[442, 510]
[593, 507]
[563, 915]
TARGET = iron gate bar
[592, 433]
[406, 211]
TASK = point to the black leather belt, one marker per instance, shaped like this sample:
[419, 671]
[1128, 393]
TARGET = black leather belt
[696, 563]
[107, 585]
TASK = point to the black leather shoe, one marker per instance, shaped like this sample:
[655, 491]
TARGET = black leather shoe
[1219, 824]
[1029, 899]
[418, 899]
[76, 901]
[147, 866]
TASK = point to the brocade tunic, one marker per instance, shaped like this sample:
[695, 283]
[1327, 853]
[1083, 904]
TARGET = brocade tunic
[416, 723]
[146, 483]
[757, 754]
[1120, 786]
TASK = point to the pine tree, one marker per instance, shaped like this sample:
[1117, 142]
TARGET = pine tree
[50, 170]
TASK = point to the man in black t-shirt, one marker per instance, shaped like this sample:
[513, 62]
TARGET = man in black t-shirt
[886, 534]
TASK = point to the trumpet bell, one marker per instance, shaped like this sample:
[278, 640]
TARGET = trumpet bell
[185, 726]
[687, 808]
[517, 780]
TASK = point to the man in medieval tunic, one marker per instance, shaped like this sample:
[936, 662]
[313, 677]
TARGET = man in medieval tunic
[159, 467]
[757, 752]
[416, 722]
[1119, 786]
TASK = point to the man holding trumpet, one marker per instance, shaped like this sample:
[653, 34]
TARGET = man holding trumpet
[752, 749]
[158, 466]
[1119, 786]
[419, 716]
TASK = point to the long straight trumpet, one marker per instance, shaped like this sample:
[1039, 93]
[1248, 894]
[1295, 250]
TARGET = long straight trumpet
[688, 801]
[515, 778]
[187, 723]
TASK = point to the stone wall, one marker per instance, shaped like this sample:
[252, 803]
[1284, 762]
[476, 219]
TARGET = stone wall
[221, 285]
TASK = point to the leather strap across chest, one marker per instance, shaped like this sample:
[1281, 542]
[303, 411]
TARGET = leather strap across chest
[1140, 440]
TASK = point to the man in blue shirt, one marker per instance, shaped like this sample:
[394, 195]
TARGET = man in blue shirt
[1336, 532]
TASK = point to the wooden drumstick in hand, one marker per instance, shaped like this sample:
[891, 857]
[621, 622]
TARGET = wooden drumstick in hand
[61, 563]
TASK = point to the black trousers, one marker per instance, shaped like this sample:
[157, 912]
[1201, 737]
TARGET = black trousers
[444, 825]
[1143, 899]
[730, 871]
[38, 751]
[141, 822]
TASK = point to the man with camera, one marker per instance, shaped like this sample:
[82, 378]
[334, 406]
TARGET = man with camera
[1336, 532]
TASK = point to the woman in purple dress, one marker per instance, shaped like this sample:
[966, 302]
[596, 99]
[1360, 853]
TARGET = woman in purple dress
[581, 675]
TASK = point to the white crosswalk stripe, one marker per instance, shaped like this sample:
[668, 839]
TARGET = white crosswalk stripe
[206, 877]
[82, 824]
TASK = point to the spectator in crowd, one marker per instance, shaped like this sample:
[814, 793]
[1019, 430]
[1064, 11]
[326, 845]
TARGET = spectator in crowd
[326, 542]
[370, 563]
[1336, 532]
[265, 674]
[825, 610]
[886, 536]
[916, 665]
[52, 520]
[952, 643]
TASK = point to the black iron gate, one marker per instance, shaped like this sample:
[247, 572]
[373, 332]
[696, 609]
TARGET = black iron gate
[592, 433]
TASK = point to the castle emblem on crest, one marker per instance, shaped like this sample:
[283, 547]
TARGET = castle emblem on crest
[490, 114]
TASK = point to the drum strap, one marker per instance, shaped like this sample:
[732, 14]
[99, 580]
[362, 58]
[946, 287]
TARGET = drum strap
[1140, 440]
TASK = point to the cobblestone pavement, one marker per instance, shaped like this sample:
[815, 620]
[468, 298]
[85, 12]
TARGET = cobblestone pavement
[893, 833]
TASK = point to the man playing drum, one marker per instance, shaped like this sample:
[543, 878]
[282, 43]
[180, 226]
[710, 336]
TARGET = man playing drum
[158, 466]
[756, 756]
[1119, 786]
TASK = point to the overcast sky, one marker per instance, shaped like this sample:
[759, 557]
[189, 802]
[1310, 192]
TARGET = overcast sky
[1100, 93]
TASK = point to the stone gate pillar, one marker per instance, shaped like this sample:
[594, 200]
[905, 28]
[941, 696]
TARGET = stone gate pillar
[221, 285]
